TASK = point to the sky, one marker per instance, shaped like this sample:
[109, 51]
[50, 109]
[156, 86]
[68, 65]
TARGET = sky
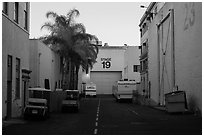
[115, 23]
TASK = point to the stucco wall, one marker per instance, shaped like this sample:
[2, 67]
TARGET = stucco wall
[20, 14]
[131, 57]
[45, 64]
[153, 61]
[188, 51]
[116, 56]
[15, 43]
[34, 65]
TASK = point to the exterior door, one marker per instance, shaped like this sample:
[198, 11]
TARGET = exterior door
[9, 99]
[166, 60]
[105, 80]
[9, 87]
[24, 92]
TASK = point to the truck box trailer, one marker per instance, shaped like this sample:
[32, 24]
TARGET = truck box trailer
[124, 90]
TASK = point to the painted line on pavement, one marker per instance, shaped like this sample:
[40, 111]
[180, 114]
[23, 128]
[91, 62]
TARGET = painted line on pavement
[97, 115]
[133, 111]
[95, 131]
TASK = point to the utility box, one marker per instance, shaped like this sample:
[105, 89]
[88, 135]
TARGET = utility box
[176, 101]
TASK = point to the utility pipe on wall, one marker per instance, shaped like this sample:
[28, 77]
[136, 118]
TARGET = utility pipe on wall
[172, 49]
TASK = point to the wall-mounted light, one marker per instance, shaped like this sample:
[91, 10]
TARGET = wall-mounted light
[142, 6]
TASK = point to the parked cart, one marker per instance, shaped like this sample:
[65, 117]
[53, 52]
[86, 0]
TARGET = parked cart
[72, 100]
[90, 89]
[37, 104]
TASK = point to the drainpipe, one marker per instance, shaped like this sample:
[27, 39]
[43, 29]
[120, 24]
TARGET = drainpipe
[172, 49]
[38, 70]
[158, 57]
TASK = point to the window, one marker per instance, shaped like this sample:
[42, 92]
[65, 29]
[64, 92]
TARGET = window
[144, 65]
[56, 85]
[47, 84]
[136, 68]
[5, 8]
[9, 71]
[59, 84]
[16, 4]
[61, 64]
[17, 78]
[26, 16]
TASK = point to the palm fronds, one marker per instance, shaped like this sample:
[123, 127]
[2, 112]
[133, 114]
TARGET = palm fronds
[70, 40]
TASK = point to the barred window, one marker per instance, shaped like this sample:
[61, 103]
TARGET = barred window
[9, 71]
[16, 7]
[26, 16]
[5, 8]
[136, 68]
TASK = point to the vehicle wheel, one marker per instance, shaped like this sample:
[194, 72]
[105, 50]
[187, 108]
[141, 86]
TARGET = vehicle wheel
[25, 117]
[77, 109]
[45, 116]
[62, 109]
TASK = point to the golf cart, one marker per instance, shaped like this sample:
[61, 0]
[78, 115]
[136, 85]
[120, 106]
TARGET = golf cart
[72, 100]
[90, 89]
[37, 103]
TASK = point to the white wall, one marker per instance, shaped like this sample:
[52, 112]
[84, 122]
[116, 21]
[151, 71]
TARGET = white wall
[188, 51]
[15, 42]
[45, 64]
[122, 58]
[131, 57]
[116, 56]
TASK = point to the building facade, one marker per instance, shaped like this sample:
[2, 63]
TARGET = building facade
[45, 66]
[15, 57]
[175, 51]
[114, 63]
[131, 63]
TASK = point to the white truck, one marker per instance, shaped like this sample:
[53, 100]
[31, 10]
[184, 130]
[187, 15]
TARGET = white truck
[124, 90]
[90, 89]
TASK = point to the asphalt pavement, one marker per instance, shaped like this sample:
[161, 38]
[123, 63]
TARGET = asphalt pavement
[104, 116]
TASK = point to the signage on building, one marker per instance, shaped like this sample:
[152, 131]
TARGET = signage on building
[106, 63]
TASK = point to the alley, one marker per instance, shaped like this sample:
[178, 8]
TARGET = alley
[104, 116]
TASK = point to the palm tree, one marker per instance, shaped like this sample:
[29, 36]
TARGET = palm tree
[71, 41]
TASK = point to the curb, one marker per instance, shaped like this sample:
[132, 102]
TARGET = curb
[6, 123]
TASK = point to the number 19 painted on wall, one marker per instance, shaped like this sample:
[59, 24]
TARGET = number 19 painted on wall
[106, 64]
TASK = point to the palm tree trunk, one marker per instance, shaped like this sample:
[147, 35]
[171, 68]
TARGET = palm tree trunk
[76, 77]
[64, 64]
[73, 76]
[69, 74]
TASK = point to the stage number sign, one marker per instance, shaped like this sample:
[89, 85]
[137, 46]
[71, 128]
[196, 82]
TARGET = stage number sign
[106, 63]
